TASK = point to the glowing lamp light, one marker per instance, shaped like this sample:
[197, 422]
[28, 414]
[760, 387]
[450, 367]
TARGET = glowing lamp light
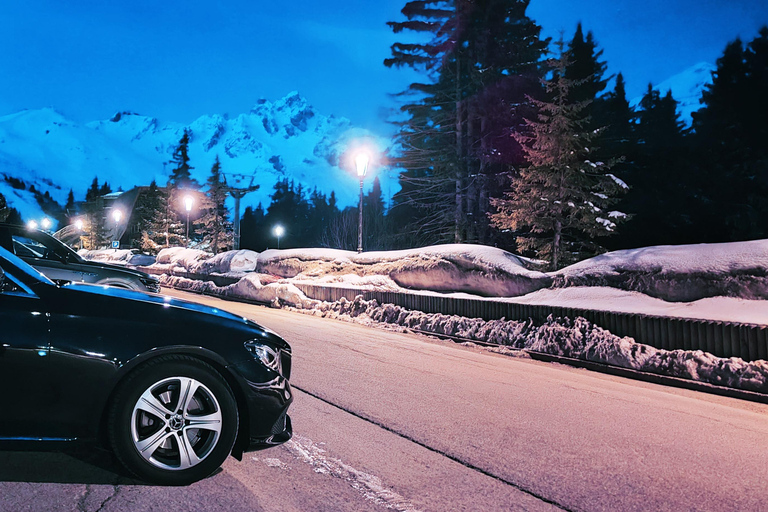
[278, 231]
[188, 202]
[117, 215]
[46, 223]
[79, 224]
[32, 224]
[361, 163]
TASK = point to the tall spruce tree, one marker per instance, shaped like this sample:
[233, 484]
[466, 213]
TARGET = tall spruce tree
[560, 203]
[215, 224]
[482, 60]
[180, 185]
[181, 177]
[730, 134]
[149, 212]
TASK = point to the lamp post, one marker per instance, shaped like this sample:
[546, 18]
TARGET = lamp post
[118, 216]
[79, 225]
[278, 231]
[188, 201]
[361, 164]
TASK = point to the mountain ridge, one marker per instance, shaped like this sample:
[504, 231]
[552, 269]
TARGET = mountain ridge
[284, 139]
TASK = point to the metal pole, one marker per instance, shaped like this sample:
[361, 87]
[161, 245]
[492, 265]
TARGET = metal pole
[360, 223]
[187, 229]
[237, 194]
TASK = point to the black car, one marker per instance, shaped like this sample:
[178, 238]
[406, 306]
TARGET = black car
[172, 387]
[61, 264]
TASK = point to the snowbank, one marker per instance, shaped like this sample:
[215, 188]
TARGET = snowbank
[253, 287]
[118, 257]
[476, 269]
[180, 257]
[226, 262]
[575, 338]
[678, 273]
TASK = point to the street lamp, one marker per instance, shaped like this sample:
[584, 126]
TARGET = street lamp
[32, 225]
[278, 231]
[46, 223]
[361, 164]
[79, 225]
[117, 215]
[188, 201]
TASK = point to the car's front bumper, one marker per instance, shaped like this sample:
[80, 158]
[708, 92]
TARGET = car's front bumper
[267, 422]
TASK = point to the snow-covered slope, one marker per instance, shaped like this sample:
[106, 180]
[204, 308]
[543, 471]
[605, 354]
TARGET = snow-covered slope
[686, 88]
[284, 139]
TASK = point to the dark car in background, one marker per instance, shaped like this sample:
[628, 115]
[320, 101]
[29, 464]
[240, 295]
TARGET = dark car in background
[171, 387]
[59, 263]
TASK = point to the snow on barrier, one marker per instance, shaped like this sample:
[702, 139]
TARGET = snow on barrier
[722, 339]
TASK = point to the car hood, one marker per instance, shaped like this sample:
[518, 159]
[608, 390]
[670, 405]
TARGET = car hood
[150, 305]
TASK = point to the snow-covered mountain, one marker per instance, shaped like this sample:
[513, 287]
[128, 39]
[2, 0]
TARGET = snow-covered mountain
[285, 139]
[686, 88]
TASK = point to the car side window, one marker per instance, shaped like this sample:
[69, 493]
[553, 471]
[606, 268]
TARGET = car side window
[25, 247]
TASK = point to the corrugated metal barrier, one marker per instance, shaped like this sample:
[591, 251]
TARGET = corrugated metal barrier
[723, 339]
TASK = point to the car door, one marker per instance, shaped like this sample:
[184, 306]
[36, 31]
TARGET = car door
[25, 386]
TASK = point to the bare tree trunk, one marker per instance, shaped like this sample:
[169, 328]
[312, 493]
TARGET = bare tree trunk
[556, 244]
[459, 198]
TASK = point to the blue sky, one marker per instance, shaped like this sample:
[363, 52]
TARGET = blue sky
[179, 60]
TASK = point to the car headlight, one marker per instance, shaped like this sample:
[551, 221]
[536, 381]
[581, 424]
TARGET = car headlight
[151, 282]
[264, 354]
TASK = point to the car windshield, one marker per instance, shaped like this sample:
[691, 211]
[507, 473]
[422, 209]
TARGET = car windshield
[36, 244]
[12, 264]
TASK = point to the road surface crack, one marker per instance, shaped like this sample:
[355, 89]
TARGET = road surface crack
[469, 465]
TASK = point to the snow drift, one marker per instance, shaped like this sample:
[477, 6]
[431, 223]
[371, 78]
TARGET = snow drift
[679, 273]
[476, 269]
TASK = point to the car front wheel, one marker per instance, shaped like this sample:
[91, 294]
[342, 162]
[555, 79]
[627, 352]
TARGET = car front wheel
[173, 421]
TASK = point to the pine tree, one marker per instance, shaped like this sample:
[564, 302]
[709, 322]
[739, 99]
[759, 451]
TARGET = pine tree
[215, 222]
[93, 192]
[730, 135]
[69, 207]
[291, 209]
[586, 69]
[181, 177]
[149, 213]
[658, 170]
[483, 57]
[559, 204]
[180, 185]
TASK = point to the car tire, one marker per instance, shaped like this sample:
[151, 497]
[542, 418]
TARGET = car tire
[173, 421]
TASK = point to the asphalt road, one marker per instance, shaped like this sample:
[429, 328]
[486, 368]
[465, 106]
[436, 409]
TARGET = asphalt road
[402, 421]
